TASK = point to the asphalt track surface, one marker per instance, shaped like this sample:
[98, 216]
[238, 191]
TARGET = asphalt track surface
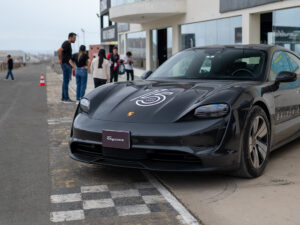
[40, 184]
[24, 157]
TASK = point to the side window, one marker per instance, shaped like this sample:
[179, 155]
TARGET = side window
[280, 62]
[294, 63]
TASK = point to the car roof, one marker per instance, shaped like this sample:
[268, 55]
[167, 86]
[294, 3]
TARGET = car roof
[240, 46]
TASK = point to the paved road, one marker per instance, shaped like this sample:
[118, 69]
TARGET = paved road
[24, 165]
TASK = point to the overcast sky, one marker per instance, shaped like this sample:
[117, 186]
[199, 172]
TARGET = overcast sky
[42, 25]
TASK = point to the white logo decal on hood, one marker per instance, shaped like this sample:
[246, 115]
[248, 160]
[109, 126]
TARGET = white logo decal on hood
[152, 98]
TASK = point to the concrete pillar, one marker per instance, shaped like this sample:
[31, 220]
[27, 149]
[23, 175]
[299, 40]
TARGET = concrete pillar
[148, 49]
[176, 45]
[125, 43]
[251, 28]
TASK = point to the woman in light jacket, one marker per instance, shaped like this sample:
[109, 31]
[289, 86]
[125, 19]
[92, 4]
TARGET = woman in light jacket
[100, 69]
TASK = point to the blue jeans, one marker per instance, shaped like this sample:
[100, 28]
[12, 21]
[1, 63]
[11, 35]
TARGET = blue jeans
[81, 80]
[67, 73]
[9, 73]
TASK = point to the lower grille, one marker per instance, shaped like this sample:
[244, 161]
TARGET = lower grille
[173, 156]
[134, 154]
[89, 149]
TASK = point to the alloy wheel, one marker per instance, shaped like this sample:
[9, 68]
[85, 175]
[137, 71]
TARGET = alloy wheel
[258, 142]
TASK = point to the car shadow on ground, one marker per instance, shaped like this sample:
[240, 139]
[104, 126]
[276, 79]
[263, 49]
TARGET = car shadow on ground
[281, 170]
[209, 187]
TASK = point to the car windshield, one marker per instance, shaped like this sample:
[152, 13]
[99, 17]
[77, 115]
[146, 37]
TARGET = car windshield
[214, 63]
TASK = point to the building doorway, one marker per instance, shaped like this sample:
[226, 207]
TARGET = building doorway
[266, 27]
[161, 46]
[282, 27]
[162, 49]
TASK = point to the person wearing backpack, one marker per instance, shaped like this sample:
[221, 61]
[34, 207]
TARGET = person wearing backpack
[79, 62]
[100, 69]
[114, 59]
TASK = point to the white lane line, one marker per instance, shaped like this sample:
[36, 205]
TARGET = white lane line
[66, 198]
[130, 210]
[98, 204]
[67, 216]
[125, 193]
[53, 99]
[94, 189]
[54, 121]
[153, 199]
[186, 216]
[143, 185]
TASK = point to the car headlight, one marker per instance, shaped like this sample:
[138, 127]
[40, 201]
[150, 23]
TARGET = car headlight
[211, 111]
[85, 105]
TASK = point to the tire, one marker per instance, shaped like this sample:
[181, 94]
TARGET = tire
[255, 150]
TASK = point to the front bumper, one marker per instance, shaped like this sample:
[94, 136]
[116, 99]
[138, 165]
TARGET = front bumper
[184, 146]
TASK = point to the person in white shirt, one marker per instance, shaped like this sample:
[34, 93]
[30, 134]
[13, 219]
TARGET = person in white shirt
[128, 62]
[100, 69]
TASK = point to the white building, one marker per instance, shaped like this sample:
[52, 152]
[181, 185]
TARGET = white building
[18, 56]
[160, 28]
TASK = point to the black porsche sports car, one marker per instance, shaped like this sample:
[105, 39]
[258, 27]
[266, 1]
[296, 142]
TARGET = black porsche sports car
[205, 109]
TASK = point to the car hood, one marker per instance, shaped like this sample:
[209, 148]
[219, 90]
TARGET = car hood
[154, 101]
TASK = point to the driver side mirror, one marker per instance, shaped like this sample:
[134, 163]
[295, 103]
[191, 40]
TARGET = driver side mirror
[286, 76]
[146, 74]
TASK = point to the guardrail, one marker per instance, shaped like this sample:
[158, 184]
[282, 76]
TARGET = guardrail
[3, 66]
[56, 67]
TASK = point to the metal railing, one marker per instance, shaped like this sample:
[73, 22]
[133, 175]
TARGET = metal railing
[3, 66]
[55, 66]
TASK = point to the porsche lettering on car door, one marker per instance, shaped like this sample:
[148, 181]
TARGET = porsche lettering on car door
[286, 97]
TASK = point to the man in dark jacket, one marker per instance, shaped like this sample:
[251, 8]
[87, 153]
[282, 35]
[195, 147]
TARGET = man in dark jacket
[10, 64]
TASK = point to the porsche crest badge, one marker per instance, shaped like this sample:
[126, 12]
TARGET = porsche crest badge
[130, 114]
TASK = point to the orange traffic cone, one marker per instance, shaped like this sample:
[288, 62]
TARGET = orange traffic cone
[42, 81]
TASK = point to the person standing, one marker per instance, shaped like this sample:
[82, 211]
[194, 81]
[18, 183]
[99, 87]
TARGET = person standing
[114, 64]
[64, 56]
[128, 62]
[100, 68]
[80, 62]
[10, 66]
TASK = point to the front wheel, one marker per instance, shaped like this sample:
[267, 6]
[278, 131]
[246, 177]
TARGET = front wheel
[256, 144]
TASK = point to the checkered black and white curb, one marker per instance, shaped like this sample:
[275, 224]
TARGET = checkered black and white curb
[141, 199]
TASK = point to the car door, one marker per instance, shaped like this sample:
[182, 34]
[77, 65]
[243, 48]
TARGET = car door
[295, 67]
[286, 98]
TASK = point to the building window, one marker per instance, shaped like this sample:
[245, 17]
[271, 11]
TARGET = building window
[122, 2]
[221, 31]
[286, 29]
[105, 21]
[103, 5]
[136, 43]
[169, 41]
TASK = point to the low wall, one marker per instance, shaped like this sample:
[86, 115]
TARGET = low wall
[3, 66]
